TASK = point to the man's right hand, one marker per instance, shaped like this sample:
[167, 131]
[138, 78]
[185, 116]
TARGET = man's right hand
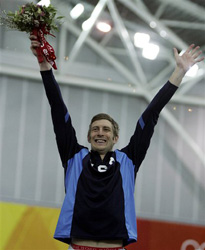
[34, 45]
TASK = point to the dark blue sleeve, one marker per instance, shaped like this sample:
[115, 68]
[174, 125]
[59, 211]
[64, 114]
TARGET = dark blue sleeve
[64, 131]
[140, 141]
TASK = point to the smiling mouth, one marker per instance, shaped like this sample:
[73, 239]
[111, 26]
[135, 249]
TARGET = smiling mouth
[100, 141]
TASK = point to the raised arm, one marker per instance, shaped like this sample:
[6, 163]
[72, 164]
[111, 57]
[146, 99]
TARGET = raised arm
[140, 141]
[64, 131]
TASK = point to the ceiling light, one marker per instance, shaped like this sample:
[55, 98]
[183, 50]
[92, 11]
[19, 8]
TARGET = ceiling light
[163, 33]
[150, 51]
[192, 71]
[141, 39]
[77, 11]
[153, 24]
[44, 3]
[86, 24]
[104, 27]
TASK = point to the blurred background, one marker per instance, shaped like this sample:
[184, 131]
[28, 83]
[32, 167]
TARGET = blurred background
[112, 57]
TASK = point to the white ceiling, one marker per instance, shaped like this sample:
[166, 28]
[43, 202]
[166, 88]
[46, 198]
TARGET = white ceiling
[182, 20]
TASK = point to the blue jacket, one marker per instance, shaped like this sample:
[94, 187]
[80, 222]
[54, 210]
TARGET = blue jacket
[100, 205]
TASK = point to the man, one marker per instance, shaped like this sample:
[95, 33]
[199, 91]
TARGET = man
[98, 210]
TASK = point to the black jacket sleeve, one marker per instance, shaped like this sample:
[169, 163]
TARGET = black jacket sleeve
[64, 131]
[140, 141]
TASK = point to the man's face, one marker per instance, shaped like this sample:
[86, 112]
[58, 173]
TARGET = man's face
[101, 137]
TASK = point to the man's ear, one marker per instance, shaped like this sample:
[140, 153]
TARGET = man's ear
[115, 139]
[88, 138]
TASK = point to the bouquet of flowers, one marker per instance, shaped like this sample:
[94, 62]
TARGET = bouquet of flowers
[37, 20]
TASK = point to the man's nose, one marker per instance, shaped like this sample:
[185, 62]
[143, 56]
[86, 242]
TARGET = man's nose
[100, 132]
